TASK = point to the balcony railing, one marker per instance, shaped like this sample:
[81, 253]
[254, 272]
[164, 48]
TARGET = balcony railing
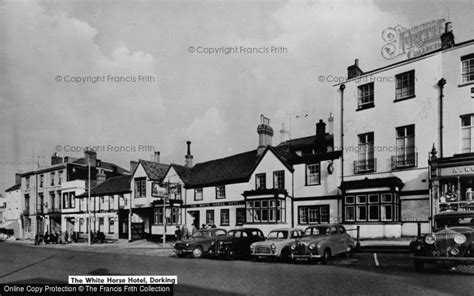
[401, 161]
[365, 166]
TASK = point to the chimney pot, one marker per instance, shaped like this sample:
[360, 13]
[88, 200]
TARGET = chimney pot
[188, 159]
[156, 157]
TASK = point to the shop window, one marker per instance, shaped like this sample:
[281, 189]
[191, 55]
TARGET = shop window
[371, 207]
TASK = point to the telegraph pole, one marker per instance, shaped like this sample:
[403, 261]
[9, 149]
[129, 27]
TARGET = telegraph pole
[89, 199]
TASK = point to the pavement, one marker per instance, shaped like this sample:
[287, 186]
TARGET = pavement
[138, 247]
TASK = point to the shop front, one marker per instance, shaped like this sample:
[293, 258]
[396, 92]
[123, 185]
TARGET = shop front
[452, 182]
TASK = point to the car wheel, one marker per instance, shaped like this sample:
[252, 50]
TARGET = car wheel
[285, 255]
[349, 251]
[231, 254]
[197, 252]
[326, 256]
[419, 266]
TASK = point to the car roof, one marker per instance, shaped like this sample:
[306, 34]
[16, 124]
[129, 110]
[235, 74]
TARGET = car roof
[245, 229]
[324, 225]
[286, 229]
[212, 229]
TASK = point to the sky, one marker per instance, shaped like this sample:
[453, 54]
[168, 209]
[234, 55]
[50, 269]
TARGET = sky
[133, 77]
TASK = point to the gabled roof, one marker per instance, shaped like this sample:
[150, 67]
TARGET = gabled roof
[14, 187]
[183, 172]
[114, 185]
[154, 170]
[105, 165]
[232, 169]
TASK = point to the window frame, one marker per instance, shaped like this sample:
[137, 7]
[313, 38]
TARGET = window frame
[196, 190]
[470, 129]
[307, 175]
[304, 216]
[260, 181]
[279, 177]
[352, 214]
[469, 69]
[222, 213]
[140, 185]
[220, 192]
[399, 90]
[363, 93]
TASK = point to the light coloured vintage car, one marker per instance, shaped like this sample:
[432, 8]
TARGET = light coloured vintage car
[277, 244]
[321, 242]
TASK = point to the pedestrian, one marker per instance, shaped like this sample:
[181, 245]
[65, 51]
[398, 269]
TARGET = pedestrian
[185, 232]
[178, 233]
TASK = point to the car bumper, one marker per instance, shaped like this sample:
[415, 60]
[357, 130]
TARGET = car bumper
[217, 253]
[458, 260]
[306, 256]
[183, 251]
[264, 255]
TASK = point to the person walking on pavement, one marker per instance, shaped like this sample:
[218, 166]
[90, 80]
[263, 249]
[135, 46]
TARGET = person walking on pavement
[178, 234]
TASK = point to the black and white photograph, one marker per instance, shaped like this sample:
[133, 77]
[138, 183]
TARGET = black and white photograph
[236, 147]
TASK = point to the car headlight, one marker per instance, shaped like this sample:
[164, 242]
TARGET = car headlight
[455, 251]
[252, 247]
[293, 246]
[187, 244]
[173, 244]
[430, 239]
[459, 239]
[273, 247]
[312, 246]
[221, 242]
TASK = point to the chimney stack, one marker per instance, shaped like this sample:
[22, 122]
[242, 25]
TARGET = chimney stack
[265, 134]
[320, 144]
[17, 178]
[156, 156]
[284, 134]
[90, 156]
[56, 159]
[100, 177]
[354, 70]
[447, 38]
[188, 158]
[133, 165]
[331, 124]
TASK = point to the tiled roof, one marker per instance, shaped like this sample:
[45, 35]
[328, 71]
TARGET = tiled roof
[183, 172]
[14, 187]
[232, 169]
[106, 165]
[155, 171]
[114, 185]
[310, 141]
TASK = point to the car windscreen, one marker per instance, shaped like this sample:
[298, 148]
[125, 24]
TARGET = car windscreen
[201, 234]
[235, 233]
[316, 231]
[454, 221]
[278, 235]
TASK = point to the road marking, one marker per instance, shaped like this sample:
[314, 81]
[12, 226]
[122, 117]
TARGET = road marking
[376, 260]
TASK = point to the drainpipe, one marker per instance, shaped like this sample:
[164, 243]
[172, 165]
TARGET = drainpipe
[342, 87]
[292, 199]
[441, 84]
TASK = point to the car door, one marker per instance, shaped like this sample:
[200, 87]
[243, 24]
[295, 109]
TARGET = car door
[335, 240]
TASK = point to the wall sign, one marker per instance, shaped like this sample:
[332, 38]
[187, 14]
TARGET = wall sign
[456, 171]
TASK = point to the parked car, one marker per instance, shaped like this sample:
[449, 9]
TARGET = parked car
[321, 242]
[198, 244]
[236, 243]
[277, 244]
[450, 243]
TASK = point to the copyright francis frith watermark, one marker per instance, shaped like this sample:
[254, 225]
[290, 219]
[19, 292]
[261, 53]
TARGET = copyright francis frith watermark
[68, 148]
[238, 49]
[103, 78]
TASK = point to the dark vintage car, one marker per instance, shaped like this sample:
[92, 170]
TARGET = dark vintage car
[198, 244]
[236, 243]
[451, 242]
[321, 242]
